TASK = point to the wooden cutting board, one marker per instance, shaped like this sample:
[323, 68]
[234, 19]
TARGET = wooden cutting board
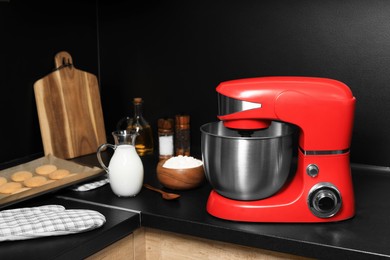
[69, 110]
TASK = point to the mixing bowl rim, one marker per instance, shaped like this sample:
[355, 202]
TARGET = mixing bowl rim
[291, 132]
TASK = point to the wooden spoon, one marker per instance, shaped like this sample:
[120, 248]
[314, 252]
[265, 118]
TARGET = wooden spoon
[165, 195]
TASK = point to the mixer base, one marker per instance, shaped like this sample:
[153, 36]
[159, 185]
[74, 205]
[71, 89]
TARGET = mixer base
[296, 211]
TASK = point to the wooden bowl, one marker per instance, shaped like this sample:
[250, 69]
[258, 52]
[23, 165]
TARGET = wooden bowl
[180, 179]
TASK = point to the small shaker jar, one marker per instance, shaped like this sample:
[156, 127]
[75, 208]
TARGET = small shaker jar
[182, 135]
[165, 138]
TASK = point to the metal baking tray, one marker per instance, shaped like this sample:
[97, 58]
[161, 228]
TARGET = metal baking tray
[79, 174]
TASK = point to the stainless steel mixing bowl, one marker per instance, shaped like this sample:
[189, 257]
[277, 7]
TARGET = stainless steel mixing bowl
[243, 167]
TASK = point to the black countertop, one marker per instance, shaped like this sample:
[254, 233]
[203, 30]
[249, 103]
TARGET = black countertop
[365, 236]
[118, 224]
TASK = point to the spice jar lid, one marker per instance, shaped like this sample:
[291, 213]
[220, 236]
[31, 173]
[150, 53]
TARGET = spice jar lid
[165, 125]
[182, 119]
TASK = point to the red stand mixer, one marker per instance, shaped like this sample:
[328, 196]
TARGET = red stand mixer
[254, 113]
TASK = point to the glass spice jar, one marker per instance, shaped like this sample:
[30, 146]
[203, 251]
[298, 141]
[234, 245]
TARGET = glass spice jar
[165, 138]
[182, 135]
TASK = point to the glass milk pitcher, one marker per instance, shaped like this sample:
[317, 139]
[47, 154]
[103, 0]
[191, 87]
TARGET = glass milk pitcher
[125, 169]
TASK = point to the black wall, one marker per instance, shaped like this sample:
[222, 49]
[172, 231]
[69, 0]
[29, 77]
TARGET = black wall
[174, 54]
[31, 33]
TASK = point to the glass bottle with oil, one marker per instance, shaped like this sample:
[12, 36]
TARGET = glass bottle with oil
[144, 140]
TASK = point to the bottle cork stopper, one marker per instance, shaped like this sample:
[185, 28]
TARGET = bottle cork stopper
[137, 100]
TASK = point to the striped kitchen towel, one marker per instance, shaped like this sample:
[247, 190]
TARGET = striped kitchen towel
[92, 185]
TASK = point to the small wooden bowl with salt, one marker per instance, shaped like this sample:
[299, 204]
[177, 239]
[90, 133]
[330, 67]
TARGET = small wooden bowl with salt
[180, 172]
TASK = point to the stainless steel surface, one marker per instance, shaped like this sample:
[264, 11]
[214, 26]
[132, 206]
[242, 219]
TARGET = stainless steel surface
[228, 105]
[247, 168]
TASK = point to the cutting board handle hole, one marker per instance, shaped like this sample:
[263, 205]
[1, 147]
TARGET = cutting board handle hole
[62, 60]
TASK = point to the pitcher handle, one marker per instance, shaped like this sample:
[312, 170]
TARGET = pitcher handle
[99, 157]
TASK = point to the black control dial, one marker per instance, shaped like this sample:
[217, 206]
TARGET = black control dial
[324, 200]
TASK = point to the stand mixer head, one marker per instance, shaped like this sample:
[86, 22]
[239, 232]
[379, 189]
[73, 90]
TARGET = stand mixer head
[321, 188]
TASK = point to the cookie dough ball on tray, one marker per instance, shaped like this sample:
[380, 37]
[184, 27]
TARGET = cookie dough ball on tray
[3, 180]
[59, 174]
[45, 169]
[35, 181]
[21, 175]
[10, 187]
